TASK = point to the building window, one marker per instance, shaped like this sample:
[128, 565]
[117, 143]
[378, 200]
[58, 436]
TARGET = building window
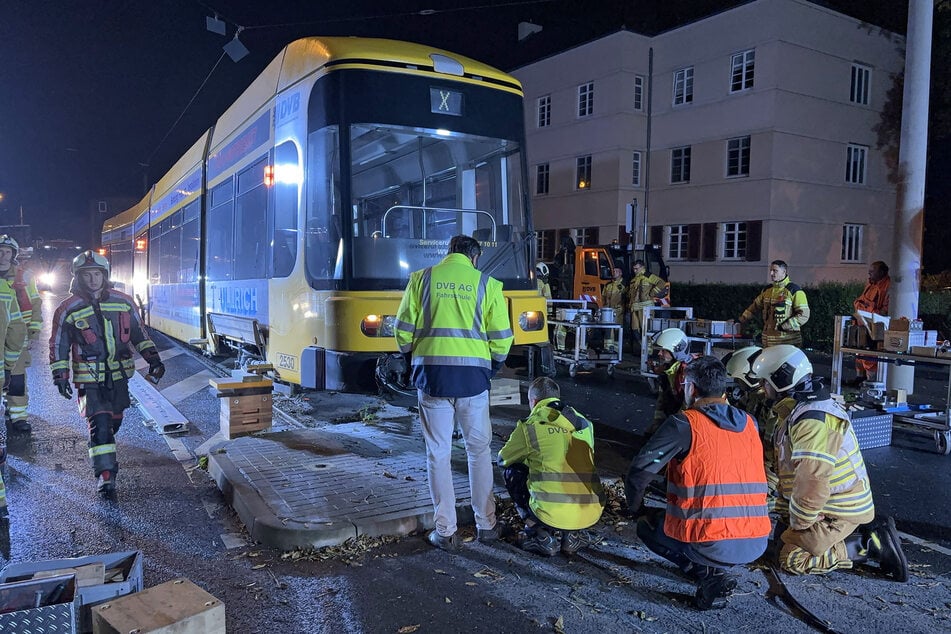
[683, 86]
[680, 165]
[677, 242]
[734, 241]
[583, 173]
[545, 240]
[738, 156]
[541, 178]
[544, 111]
[638, 92]
[856, 159]
[586, 236]
[741, 73]
[636, 169]
[861, 84]
[852, 243]
[586, 99]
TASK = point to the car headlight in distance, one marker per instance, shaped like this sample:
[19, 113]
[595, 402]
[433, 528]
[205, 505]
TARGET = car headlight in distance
[48, 278]
[531, 320]
[378, 325]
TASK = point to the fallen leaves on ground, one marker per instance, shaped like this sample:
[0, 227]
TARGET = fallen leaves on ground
[488, 573]
[408, 629]
[347, 552]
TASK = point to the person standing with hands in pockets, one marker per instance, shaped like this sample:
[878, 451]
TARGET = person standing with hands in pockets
[95, 330]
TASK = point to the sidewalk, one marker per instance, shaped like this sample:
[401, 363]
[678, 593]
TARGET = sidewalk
[313, 487]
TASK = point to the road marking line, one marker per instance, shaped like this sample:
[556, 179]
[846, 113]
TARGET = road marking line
[142, 364]
[924, 543]
[183, 389]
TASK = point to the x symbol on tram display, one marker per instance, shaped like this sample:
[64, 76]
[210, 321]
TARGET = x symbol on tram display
[444, 104]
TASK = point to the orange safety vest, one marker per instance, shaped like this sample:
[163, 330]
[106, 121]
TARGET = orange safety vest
[719, 490]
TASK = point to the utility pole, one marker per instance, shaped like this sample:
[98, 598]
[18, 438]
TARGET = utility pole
[912, 161]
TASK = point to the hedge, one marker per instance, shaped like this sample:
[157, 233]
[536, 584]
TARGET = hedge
[826, 300]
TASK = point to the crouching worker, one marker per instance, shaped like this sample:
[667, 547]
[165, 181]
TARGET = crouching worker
[823, 483]
[716, 486]
[548, 465]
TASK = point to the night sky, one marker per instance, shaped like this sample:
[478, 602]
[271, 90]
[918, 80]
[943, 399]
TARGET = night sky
[90, 88]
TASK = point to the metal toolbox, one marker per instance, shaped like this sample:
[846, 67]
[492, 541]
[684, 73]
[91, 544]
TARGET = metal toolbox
[872, 428]
[47, 605]
[123, 572]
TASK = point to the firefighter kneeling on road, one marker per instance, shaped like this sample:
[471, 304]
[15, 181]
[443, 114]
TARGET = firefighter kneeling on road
[823, 484]
[549, 472]
[716, 513]
[100, 327]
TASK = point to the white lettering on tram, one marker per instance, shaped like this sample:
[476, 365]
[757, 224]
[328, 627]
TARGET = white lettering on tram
[238, 301]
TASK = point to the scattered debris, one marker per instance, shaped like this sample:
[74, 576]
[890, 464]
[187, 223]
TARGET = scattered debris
[347, 552]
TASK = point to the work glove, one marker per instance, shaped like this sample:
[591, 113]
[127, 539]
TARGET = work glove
[156, 371]
[65, 389]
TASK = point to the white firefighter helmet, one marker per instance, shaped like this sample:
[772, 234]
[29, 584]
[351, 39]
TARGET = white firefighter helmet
[783, 367]
[8, 241]
[90, 260]
[673, 340]
[739, 362]
[542, 269]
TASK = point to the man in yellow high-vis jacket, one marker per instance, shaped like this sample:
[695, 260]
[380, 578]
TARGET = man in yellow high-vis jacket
[453, 322]
[31, 307]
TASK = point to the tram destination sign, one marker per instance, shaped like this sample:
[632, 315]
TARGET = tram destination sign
[443, 101]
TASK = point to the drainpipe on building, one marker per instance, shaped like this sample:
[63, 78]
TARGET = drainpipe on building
[647, 150]
[912, 161]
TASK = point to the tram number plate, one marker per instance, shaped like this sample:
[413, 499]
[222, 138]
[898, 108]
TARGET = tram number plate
[286, 361]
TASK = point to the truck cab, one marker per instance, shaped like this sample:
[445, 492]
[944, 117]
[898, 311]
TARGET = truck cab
[580, 272]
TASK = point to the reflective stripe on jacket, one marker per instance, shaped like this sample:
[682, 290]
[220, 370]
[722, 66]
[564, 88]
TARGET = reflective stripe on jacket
[12, 326]
[556, 443]
[784, 309]
[99, 336]
[453, 317]
[718, 491]
[820, 465]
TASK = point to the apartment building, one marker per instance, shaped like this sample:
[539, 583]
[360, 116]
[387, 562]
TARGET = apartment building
[748, 136]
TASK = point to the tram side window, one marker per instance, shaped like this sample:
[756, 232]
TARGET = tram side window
[287, 177]
[191, 243]
[250, 224]
[171, 230]
[323, 209]
[220, 247]
[155, 255]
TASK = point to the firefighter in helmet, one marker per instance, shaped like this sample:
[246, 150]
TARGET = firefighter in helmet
[94, 333]
[30, 306]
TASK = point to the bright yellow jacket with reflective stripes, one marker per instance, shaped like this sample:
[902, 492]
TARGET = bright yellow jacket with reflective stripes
[820, 465]
[100, 336]
[28, 298]
[556, 443]
[13, 330]
[454, 321]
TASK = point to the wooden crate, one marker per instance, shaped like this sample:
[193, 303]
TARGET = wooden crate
[505, 392]
[174, 607]
[243, 415]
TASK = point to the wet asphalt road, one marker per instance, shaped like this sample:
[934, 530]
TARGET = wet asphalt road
[173, 513]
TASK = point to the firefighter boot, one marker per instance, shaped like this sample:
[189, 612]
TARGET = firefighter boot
[538, 540]
[571, 542]
[107, 483]
[879, 541]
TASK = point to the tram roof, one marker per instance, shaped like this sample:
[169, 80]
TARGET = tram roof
[128, 216]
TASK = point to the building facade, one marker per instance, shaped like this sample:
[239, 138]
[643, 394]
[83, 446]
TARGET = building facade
[748, 136]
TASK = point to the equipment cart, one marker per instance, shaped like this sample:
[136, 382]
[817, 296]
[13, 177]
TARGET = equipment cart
[582, 343]
[933, 423]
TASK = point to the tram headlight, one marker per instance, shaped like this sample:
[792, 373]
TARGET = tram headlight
[48, 279]
[531, 320]
[378, 325]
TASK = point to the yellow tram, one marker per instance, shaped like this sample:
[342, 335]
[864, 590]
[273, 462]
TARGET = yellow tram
[289, 229]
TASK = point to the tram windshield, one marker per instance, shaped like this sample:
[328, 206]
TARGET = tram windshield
[413, 189]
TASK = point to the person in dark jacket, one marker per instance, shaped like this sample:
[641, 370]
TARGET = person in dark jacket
[97, 328]
[716, 514]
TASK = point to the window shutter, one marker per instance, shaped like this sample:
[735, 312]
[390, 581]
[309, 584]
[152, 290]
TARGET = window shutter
[693, 242]
[754, 240]
[593, 235]
[657, 235]
[709, 249]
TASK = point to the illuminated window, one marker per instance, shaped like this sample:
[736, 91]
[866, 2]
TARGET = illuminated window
[638, 92]
[741, 73]
[861, 84]
[586, 99]
[683, 86]
[583, 172]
